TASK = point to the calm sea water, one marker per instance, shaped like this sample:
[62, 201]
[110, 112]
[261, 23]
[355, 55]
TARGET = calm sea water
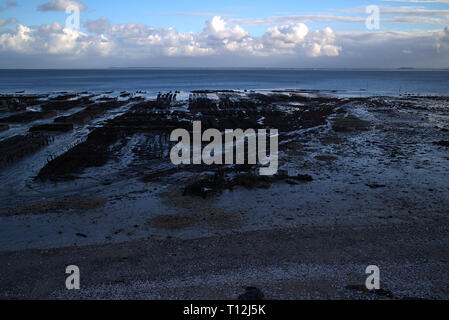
[152, 81]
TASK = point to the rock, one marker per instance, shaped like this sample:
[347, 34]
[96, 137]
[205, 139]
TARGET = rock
[442, 143]
[90, 112]
[206, 186]
[251, 294]
[213, 184]
[362, 288]
[27, 117]
[251, 181]
[56, 127]
[304, 177]
[81, 235]
[282, 175]
[65, 103]
[375, 186]
[326, 158]
[350, 123]
[17, 147]
[94, 152]
[16, 104]
[384, 293]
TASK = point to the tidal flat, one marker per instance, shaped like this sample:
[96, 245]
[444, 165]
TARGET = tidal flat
[87, 180]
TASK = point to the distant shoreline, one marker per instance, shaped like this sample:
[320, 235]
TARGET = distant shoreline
[236, 69]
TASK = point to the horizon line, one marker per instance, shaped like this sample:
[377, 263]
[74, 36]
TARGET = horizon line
[242, 68]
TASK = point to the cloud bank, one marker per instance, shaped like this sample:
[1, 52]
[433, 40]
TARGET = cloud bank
[220, 43]
[131, 40]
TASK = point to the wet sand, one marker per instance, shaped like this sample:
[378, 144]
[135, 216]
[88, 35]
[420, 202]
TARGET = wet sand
[297, 263]
[362, 181]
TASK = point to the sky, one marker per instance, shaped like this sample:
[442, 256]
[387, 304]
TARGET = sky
[244, 33]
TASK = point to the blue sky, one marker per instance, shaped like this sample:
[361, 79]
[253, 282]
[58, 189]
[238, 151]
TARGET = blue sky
[189, 16]
[320, 33]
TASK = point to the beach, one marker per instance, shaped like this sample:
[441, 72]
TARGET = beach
[87, 181]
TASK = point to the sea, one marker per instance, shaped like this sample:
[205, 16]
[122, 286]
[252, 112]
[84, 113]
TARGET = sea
[152, 81]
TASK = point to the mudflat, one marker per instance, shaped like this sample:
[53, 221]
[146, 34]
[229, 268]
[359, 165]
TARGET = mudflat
[361, 181]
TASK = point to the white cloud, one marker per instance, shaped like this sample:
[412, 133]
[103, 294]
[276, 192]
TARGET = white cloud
[443, 40]
[321, 43]
[19, 41]
[222, 43]
[287, 36]
[61, 5]
[217, 29]
[99, 26]
[53, 39]
[139, 40]
[400, 14]
[297, 39]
